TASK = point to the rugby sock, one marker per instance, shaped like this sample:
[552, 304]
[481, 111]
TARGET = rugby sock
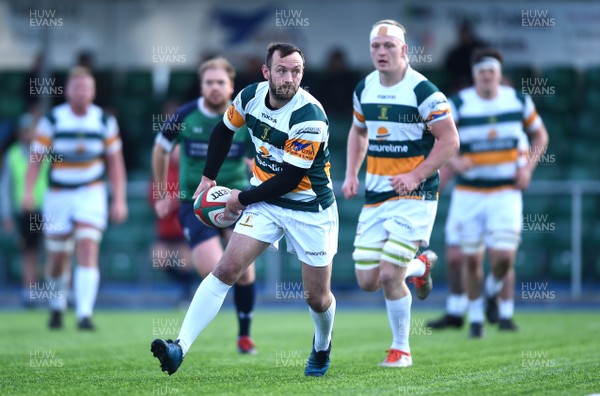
[57, 293]
[323, 325]
[476, 310]
[506, 308]
[492, 285]
[399, 318]
[456, 304]
[204, 307]
[415, 267]
[86, 289]
[244, 297]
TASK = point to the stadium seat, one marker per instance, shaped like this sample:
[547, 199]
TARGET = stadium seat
[516, 75]
[563, 89]
[138, 83]
[11, 106]
[12, 82]
[180, 83]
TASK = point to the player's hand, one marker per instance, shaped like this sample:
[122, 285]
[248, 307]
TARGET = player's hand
[205, 184]
[118, 211]
[233, 208]
[523, 178]
[405, 183]
[350, 187]
[163, 207]
[461, 164]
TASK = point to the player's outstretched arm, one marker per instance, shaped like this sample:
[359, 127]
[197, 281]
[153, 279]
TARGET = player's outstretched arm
[358, 142]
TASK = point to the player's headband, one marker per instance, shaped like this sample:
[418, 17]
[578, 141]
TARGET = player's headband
[487, 62]
[386, 29]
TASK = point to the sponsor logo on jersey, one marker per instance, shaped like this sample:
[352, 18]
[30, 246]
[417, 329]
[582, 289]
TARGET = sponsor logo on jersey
[386, 97]
[383, 112]
[197, 129]
[311, 130]
[268, 117]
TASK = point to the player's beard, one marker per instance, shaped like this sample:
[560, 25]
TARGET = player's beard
[283, 92]
[215, 102]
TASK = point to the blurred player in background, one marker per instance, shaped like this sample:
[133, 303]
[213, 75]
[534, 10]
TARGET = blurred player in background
[486, 206]
[191, 128]
[402, 124]
[80, 141]
[170, 251]
[12, 190]
[292, 197]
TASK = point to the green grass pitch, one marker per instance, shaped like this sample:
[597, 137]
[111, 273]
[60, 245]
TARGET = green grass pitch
[553, 353]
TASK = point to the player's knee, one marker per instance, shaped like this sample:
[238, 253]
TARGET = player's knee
[368, 283]
[317, 301]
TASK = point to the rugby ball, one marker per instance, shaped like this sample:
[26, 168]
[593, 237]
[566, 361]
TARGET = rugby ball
[209, 207]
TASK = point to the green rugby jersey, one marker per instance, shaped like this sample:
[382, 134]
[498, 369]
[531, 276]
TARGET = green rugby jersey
[191, 126]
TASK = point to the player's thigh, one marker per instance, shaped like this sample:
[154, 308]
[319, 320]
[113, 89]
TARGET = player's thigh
[470, 220]
[312, 236]
[91, 206]
[57, 213]
[504, 221]
[239, 253]
[249, 276]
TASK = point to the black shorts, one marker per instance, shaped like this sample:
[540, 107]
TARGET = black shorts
[195, 232]
[30, 229]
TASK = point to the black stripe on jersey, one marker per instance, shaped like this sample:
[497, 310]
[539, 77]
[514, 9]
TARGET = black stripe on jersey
[423, 90]
[401, 149]
[308, 112]
[490, 119]
[392, 113]
[248, 93]
[266, 132]
[78, 135]
[57, 184]
[484, 183]
[489, 145]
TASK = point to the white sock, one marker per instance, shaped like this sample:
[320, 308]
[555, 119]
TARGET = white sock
[57, 293]
[204, 307]
[415, 267]
[85, 286]
[323, 325]
[492, 285]
[399, 318]
[476, 310]
[506, 308]
[456, 304]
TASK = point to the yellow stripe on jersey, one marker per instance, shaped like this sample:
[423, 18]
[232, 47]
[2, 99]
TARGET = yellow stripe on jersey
[359, 116]
[437, 114]
[44, 140]
[531, 119]
[303, 149]
[76, 165]
[305, 185]
[111, 140]
[392, 166]
[261, 174]
[234, 117]
[493, 157]
[484, 189]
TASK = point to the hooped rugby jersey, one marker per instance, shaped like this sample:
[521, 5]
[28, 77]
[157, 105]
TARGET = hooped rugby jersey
[492, 136]
[397, 119]
[191, 126]
[296, 134]
[76, 146]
